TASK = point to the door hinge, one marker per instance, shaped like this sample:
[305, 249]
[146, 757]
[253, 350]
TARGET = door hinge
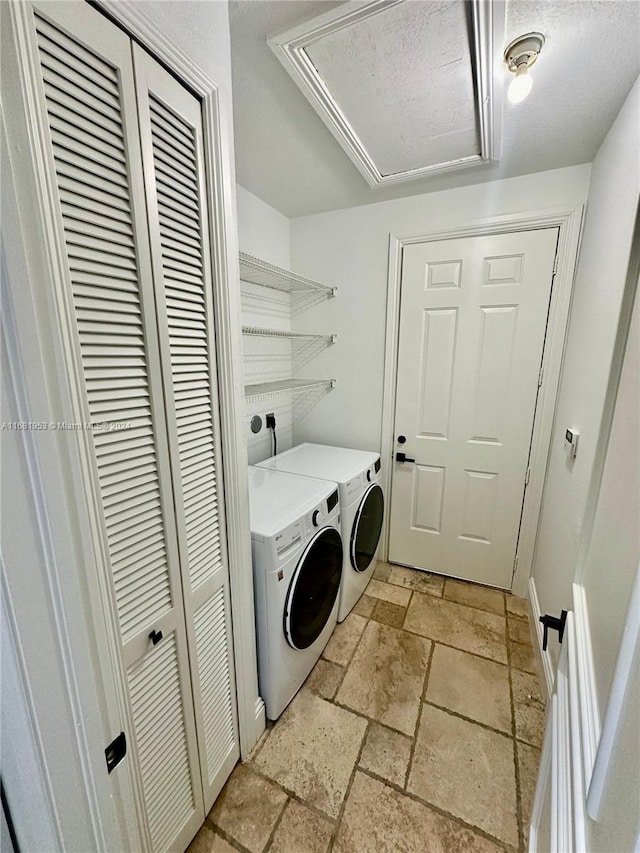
[540, 376]
[527, 476]
[555, 264]
[515, 566]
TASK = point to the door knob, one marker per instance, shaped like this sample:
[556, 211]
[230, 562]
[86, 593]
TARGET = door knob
[402, 457]
[155, 637]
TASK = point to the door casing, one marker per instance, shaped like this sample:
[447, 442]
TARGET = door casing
[569, 222]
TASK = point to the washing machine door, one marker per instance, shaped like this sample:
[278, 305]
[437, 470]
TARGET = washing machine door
[367, 527]
[313, 589]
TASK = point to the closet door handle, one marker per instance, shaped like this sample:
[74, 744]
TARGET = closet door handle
[155, 637]
[402, 457]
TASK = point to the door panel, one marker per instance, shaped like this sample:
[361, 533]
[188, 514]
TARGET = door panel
[172, 143]
[472, 326]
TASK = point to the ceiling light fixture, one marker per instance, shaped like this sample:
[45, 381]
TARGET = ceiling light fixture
[519, 56]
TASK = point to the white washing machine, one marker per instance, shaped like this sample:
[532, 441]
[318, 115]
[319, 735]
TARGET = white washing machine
[357, 473]
[297, 566]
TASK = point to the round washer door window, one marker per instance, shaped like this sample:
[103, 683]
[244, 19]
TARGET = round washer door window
[367, 527]
[314, 589]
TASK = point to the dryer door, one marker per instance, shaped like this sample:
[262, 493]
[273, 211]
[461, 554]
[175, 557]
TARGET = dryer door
[314, 589]
[367, 527]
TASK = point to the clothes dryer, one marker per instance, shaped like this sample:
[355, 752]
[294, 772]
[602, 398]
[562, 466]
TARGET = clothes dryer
[357, 473]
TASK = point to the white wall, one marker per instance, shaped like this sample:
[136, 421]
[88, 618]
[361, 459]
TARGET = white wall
[349, 249]
[602, 267]
[264, 232]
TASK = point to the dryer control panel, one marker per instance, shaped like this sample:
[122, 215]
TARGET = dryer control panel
[288, 541]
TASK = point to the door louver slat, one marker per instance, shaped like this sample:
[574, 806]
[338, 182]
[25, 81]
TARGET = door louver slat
[166, 124]
[50, 37]
[216, 686]
[117, 328]
[183, 266]
[192, 322]
[72, 140]
[65, 69]
[66, 118]
[161, 757]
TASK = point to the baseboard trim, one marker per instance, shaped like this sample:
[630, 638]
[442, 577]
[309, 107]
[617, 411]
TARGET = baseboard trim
[260, 719]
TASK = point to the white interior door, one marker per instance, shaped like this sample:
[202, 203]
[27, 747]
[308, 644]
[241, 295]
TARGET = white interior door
[473, 317]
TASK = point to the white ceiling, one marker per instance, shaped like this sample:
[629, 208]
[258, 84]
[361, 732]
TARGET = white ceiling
[287, 157]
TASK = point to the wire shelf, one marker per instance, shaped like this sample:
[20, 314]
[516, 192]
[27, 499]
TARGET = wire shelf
[258, 331]
[260, 272]
[264, 390]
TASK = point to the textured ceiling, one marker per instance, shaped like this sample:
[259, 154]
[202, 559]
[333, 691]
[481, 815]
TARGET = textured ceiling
[418, 111]
[287, 157]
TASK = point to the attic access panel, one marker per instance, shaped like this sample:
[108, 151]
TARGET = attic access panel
[405, 86]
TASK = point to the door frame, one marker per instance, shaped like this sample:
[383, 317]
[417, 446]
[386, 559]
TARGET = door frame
[83, 643]
[569, 222]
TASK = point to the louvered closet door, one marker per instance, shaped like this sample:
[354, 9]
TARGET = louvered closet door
[172, 142]
[89, 96]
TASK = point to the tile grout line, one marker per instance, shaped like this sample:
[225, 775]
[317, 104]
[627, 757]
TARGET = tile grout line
[356, 765]
[443, 597]
[505, 593]
[275, 826]
[440, 811]
[519, 816]
[355, 650]
[364, 737]
[343, 805]
[425, 684]
[343, 674]
[457, 648]
[460, 716]
[346, 666]
[231, 841]
[264, 737]
[293, 796]
[362, 716]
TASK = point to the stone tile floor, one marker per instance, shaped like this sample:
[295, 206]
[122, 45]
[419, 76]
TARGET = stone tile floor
[419, 730]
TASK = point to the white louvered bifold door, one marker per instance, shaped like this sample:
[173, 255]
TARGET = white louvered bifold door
[95, 160]
[172, 151]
